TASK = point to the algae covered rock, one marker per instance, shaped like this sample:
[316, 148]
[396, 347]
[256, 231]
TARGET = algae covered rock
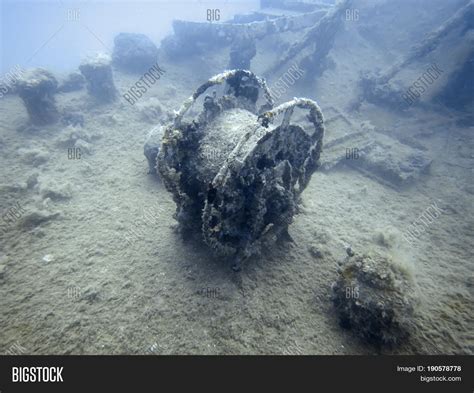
[374, 297]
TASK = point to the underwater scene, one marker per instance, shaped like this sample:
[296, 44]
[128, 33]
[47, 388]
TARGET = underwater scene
[237, 177]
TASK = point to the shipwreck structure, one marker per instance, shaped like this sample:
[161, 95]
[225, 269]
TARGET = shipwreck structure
[241, 34]
[455, 92]
[97, 71]
[235, 172]
[37, 88]
[134, 52]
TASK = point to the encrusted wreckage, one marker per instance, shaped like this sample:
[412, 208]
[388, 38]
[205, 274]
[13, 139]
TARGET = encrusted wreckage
[97, 71]
[195, 37]
[381, 87]
[320, 23]
[73, 82]
[36, 87]
[242, 51]
[387, 156]
[236, 175]
[134, 52]
[311, 51]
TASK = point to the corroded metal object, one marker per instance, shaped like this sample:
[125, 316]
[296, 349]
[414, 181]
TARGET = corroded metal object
[235, 176]
[375, 298]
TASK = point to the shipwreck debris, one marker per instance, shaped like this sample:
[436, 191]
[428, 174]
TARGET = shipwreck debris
[194, 37]
[236, 177]
[37, 87]
[242, 51]
[381, 88]
[376, 153]
[292, 5]
[311, 51]
[134, 52]
[73, 82]
[98, 73]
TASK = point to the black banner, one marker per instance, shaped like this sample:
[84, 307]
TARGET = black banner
[170, 373]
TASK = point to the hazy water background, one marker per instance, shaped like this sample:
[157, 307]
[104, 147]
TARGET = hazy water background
[58, 34]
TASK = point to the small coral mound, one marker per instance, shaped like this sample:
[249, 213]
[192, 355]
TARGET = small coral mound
[374, 298]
